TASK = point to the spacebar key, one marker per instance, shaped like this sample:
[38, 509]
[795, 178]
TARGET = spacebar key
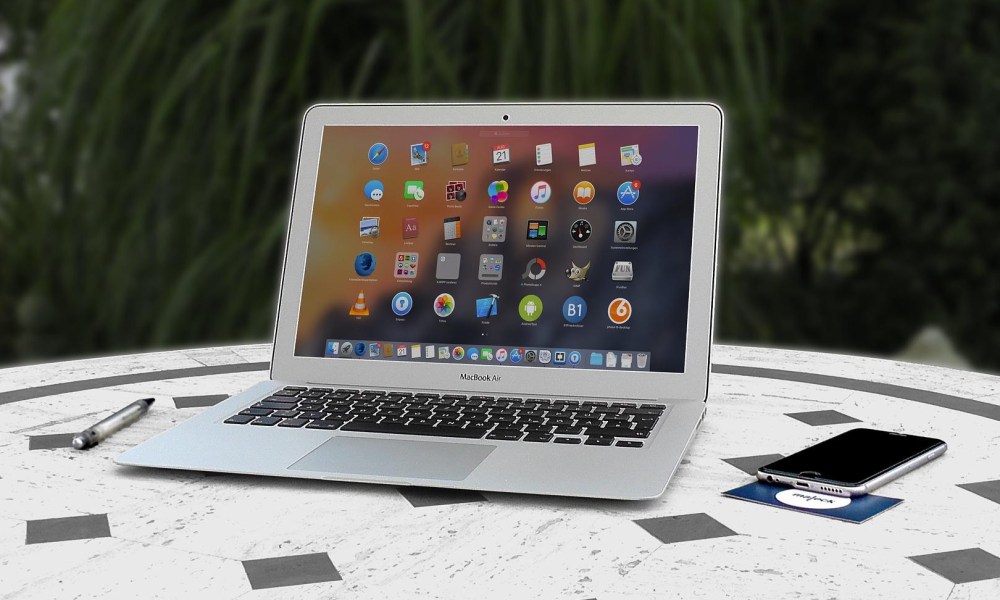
[444, 431]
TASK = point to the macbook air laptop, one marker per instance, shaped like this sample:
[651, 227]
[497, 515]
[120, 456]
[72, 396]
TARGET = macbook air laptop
[498, 297]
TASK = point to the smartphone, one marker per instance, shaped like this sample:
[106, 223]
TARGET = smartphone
[853, 463]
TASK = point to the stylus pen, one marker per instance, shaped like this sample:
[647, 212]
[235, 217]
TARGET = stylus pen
[102, 430]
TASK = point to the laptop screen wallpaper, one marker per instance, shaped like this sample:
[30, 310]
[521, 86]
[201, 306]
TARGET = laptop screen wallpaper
[541, 247]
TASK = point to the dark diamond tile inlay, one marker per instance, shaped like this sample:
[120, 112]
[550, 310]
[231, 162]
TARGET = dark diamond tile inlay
[961, 566]
[822, 417]
[198, 401]
[750, 464]
[63, 529]
[264, 573]
[420, 497]
[684, 528]
[987, 489]
[47, 442]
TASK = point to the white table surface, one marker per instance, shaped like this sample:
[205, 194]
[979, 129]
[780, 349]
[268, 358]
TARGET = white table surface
[167, 534]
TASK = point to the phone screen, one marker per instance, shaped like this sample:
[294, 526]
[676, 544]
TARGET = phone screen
[853, 457]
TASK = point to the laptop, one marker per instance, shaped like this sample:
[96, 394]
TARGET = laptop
[496, 297]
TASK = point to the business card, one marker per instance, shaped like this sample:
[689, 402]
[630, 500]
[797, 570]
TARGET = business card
[852, 510]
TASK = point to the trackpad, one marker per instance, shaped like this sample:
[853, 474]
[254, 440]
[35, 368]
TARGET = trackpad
[394, 458]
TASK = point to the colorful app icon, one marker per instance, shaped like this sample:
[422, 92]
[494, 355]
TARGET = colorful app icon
[625, 232]
[364, 264]
[448, 264]
[612, 359]
[575, 358]
[596, 359]
[628, 192]
[407, 264]
[345, 348]
[411, 228]
[545, 356]
[415, 351]
[458, 353]
[497, 191]
[369, 227]
[375, 350]
[444, 305]
[530, 356]
[374, 190]
[543, 154]
[378, 153]
[641, 360]
[473, 354]
[559, 357]
[516, 354]
[621, 271]
[575, 273]
[360, 306]
[490, 267]
[580, 230]
[360, 348]
[630, 155]
[619, 311]
[452, 228]
[413, 190]
[530, 308]
[540, 192]
[538, 230]
[401, 350]
[584, 192]
[501, 354]
[455, 191]
[494, 229]
[626, 360]
[487, 307]
[418, 154]
[401, 304]
[390, 350]
[501, 154]
[535, 269]
[486, 354]
[459, 154]
[429, 351]
[574, 309]
[332, 348]
[588, 154]
[444, 353]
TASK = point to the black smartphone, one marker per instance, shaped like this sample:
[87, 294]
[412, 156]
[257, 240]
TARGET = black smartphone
[853, 463]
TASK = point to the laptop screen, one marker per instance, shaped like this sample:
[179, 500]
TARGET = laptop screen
[531, 247]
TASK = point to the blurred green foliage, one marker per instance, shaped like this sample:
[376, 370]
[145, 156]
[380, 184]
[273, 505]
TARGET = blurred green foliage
[146, 157]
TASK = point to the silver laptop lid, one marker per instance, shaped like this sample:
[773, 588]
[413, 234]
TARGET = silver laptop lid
[530, 249]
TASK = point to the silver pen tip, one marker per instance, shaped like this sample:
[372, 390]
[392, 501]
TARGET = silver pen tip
[79, 442]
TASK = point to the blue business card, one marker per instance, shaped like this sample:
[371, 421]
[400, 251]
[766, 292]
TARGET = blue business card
[852, 510]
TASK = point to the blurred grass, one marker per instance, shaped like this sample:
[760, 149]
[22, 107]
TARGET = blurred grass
[146, 163]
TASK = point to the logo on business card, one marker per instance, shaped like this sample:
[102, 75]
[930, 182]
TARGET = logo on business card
[800, 499]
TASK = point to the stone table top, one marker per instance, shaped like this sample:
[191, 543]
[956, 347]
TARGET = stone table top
[74, 524]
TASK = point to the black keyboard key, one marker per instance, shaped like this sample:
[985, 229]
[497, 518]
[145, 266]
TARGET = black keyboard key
[343, 391]
[596, 440]
[565, 440]
[538, 437]
[313, 415]
[239, 419]
[453, 397]
[440, 430]
[568, 430]
[286, 392]
[605, 411]
[538, 428]
[618, 432]
[395, 420]
[504, 434]
[266, 421]
[325, 425]
[310, 406]
[256, 412]
[293, 423]
[310, 394]
[275, 405]
[530, 420]
[628, 444]
[531, 413]
[294, 388]
[284, 414]
[559, 421]
[659, 406]
[643, 411]
[477, 418]
[323, 390]
[596, 404]
[425, 422]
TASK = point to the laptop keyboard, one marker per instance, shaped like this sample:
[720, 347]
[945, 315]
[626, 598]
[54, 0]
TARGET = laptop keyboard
[449, 415]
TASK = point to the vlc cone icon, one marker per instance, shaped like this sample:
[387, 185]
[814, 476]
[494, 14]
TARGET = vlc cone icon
[360, 308]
